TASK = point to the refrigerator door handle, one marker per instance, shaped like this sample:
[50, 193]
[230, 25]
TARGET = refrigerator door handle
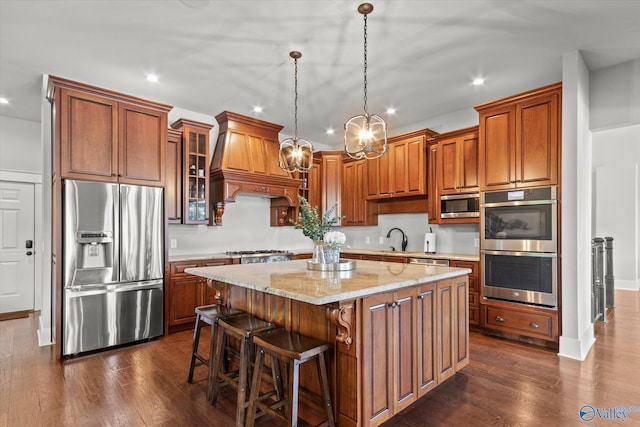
[82, 291]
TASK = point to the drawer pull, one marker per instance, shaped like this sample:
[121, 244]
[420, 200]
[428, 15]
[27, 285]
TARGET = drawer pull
[500, 318]
[534, 325]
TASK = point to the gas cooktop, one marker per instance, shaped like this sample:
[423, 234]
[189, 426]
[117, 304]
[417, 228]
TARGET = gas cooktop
[258, 252]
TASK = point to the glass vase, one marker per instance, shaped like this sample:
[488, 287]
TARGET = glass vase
[332, 253]
[318, 252]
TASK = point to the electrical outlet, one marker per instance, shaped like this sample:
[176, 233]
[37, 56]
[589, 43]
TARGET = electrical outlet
[476, 243]
[367, 240]
[173, 243]
[381, 240]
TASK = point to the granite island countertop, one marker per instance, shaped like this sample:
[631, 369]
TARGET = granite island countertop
[292, 279]
[409, 254]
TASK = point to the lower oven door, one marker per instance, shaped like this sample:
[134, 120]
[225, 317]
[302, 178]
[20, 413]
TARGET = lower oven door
[525, 277]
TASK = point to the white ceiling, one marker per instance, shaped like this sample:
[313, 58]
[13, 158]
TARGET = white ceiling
[216, 55]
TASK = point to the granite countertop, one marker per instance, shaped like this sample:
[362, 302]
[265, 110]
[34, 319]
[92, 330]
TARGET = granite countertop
[449, 256]
[292, 279]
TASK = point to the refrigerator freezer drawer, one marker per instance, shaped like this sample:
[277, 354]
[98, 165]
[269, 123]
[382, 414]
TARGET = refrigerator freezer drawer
[98, 320]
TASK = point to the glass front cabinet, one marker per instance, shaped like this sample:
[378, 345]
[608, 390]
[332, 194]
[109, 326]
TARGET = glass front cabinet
[195, 140]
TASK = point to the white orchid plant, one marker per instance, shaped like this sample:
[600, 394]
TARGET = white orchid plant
[334, 239]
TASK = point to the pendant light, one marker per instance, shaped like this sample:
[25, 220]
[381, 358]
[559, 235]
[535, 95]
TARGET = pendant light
[295, 154]
[365, 135]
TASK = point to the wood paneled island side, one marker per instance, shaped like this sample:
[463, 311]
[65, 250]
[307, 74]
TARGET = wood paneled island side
[395, 330]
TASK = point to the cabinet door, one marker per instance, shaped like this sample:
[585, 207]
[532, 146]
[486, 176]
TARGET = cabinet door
[497, 148]
[173, 178]
[448, 166]
[379, 179]
[314, 185]
[432, 181]
[185, 297]
[461, 322]
[426, 333]
[377, 363]
[196, 182]
[446, 312]
[88, 126]
[468, 167]
[354, 204]
[408, 171]
[405, 387]
[142, 145]
[537, 141]
[331, 173]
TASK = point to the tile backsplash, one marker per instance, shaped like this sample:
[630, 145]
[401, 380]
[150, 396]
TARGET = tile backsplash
[245, 226]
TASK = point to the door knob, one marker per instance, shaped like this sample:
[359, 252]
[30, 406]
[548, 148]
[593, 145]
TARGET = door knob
[29, 253]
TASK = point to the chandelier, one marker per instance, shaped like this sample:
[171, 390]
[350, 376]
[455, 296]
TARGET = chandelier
[295, 154]
[365, 135]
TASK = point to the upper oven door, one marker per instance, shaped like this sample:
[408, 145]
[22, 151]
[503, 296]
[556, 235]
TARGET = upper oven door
[519, 225]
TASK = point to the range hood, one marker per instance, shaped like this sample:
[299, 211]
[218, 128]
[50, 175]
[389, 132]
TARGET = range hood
[245, 161]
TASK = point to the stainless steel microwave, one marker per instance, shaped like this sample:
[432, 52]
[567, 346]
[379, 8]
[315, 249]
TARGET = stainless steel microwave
[460, 205]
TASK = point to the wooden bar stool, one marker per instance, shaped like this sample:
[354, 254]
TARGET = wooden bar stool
[292, 349]
[207, 314]
[242, 327]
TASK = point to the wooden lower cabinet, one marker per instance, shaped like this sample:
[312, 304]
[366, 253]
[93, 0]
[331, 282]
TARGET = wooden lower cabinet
[474, 288]
[412, 340]
[185, 292]
[524, 321]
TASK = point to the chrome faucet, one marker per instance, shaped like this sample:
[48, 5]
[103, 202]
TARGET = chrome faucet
[404, 239]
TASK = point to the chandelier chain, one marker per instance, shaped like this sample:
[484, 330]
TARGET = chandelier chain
[365, 64]
[295, 102]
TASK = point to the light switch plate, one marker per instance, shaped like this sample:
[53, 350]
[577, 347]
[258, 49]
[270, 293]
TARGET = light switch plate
[173, 243]
[381, 240]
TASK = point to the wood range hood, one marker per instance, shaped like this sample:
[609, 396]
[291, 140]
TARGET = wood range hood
[245, 161]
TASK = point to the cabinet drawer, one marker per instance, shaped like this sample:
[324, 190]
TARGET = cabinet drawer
[474, 284]
[214, 262]
[528, 323]
[474, 316]
[473, 266]
[178, 268]
[473, 299]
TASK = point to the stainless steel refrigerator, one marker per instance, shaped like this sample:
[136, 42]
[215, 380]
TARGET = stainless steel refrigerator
[113, 265]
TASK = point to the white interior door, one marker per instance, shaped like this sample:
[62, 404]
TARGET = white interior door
[16, 260]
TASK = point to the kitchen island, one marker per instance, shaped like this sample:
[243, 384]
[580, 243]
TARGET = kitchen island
[395, 331]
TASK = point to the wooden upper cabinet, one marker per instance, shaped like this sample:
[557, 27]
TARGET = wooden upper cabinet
[458, 161]
[331, 177]
[195, 170]
[173, 177]
[142, 145]
[107, 136]
[402, 171]
[88, 135]
[433, 210]
[519, 140]
[355, 208]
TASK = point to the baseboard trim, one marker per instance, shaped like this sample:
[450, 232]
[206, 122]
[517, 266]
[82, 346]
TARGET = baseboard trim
[633, 285]
[577, 349]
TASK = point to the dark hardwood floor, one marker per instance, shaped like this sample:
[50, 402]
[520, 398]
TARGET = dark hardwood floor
[506, 383]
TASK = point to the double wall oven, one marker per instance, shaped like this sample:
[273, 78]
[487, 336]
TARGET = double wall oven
[519, 245]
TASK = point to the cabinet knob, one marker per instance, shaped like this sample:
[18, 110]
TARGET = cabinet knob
[500, 318]
[420, 296]
[534, 325]
[393, 304]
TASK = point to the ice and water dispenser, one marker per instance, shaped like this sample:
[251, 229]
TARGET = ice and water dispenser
[94, 260]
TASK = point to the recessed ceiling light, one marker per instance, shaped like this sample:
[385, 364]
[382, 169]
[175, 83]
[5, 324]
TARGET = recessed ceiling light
[257, 109]
[4, 101]
[391, 110]
[330, 131]
[478, 81]
[152, 78]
